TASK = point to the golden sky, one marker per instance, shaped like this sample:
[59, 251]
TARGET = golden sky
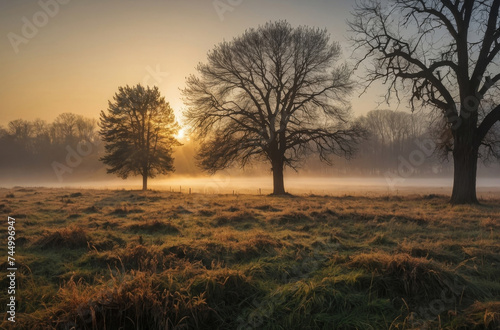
[71, 55]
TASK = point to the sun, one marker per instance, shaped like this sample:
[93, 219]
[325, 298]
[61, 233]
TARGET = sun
[181, 134]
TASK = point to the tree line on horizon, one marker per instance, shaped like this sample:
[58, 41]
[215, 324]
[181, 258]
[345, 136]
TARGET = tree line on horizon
[35, 145]
[30, 147]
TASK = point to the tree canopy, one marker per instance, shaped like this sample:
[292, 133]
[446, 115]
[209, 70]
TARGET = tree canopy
[139, 131]
[274, 93]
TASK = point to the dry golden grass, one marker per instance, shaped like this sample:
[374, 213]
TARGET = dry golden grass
[154, 260]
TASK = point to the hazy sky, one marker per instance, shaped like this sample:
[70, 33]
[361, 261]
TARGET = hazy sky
[70, 56]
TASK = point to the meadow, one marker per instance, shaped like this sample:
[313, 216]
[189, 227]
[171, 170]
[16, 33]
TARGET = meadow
[109, 259]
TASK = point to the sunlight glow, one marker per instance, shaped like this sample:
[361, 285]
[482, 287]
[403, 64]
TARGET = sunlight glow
[181, 135]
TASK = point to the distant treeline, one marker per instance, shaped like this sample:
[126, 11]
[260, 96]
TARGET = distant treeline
[38, 148]
[70, 148]
[398, 142]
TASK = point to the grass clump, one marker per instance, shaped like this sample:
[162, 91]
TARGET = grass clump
[417, 281]
[481, 315]
[267, 208]
[71, 238]
[122, 211]
[155, 226]
[318, 304]
[91, 209]
[226, 291]
[135, 300]
[235, 219]
[292, 218]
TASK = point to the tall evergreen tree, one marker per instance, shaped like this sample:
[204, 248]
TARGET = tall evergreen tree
[139, 131]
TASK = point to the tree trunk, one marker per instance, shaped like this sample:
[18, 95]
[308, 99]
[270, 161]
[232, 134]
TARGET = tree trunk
[278, 182]
[145, 182]
[464, 182]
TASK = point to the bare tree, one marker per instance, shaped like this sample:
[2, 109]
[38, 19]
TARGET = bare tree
[70, 128]
[3, 132]
[391, 134]
[41, 135]
[64, 128]
[442, 54]
[22, 132]
[272, 94]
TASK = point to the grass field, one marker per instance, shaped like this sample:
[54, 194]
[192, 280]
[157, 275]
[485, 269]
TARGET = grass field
[109, 259]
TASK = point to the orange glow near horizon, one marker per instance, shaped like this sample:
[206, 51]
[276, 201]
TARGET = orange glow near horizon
[76, 59]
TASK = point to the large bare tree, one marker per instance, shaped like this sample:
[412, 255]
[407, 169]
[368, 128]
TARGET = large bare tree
[442, 54]
[273, 93]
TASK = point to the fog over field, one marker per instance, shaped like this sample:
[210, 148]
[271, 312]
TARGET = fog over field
[294, 184]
